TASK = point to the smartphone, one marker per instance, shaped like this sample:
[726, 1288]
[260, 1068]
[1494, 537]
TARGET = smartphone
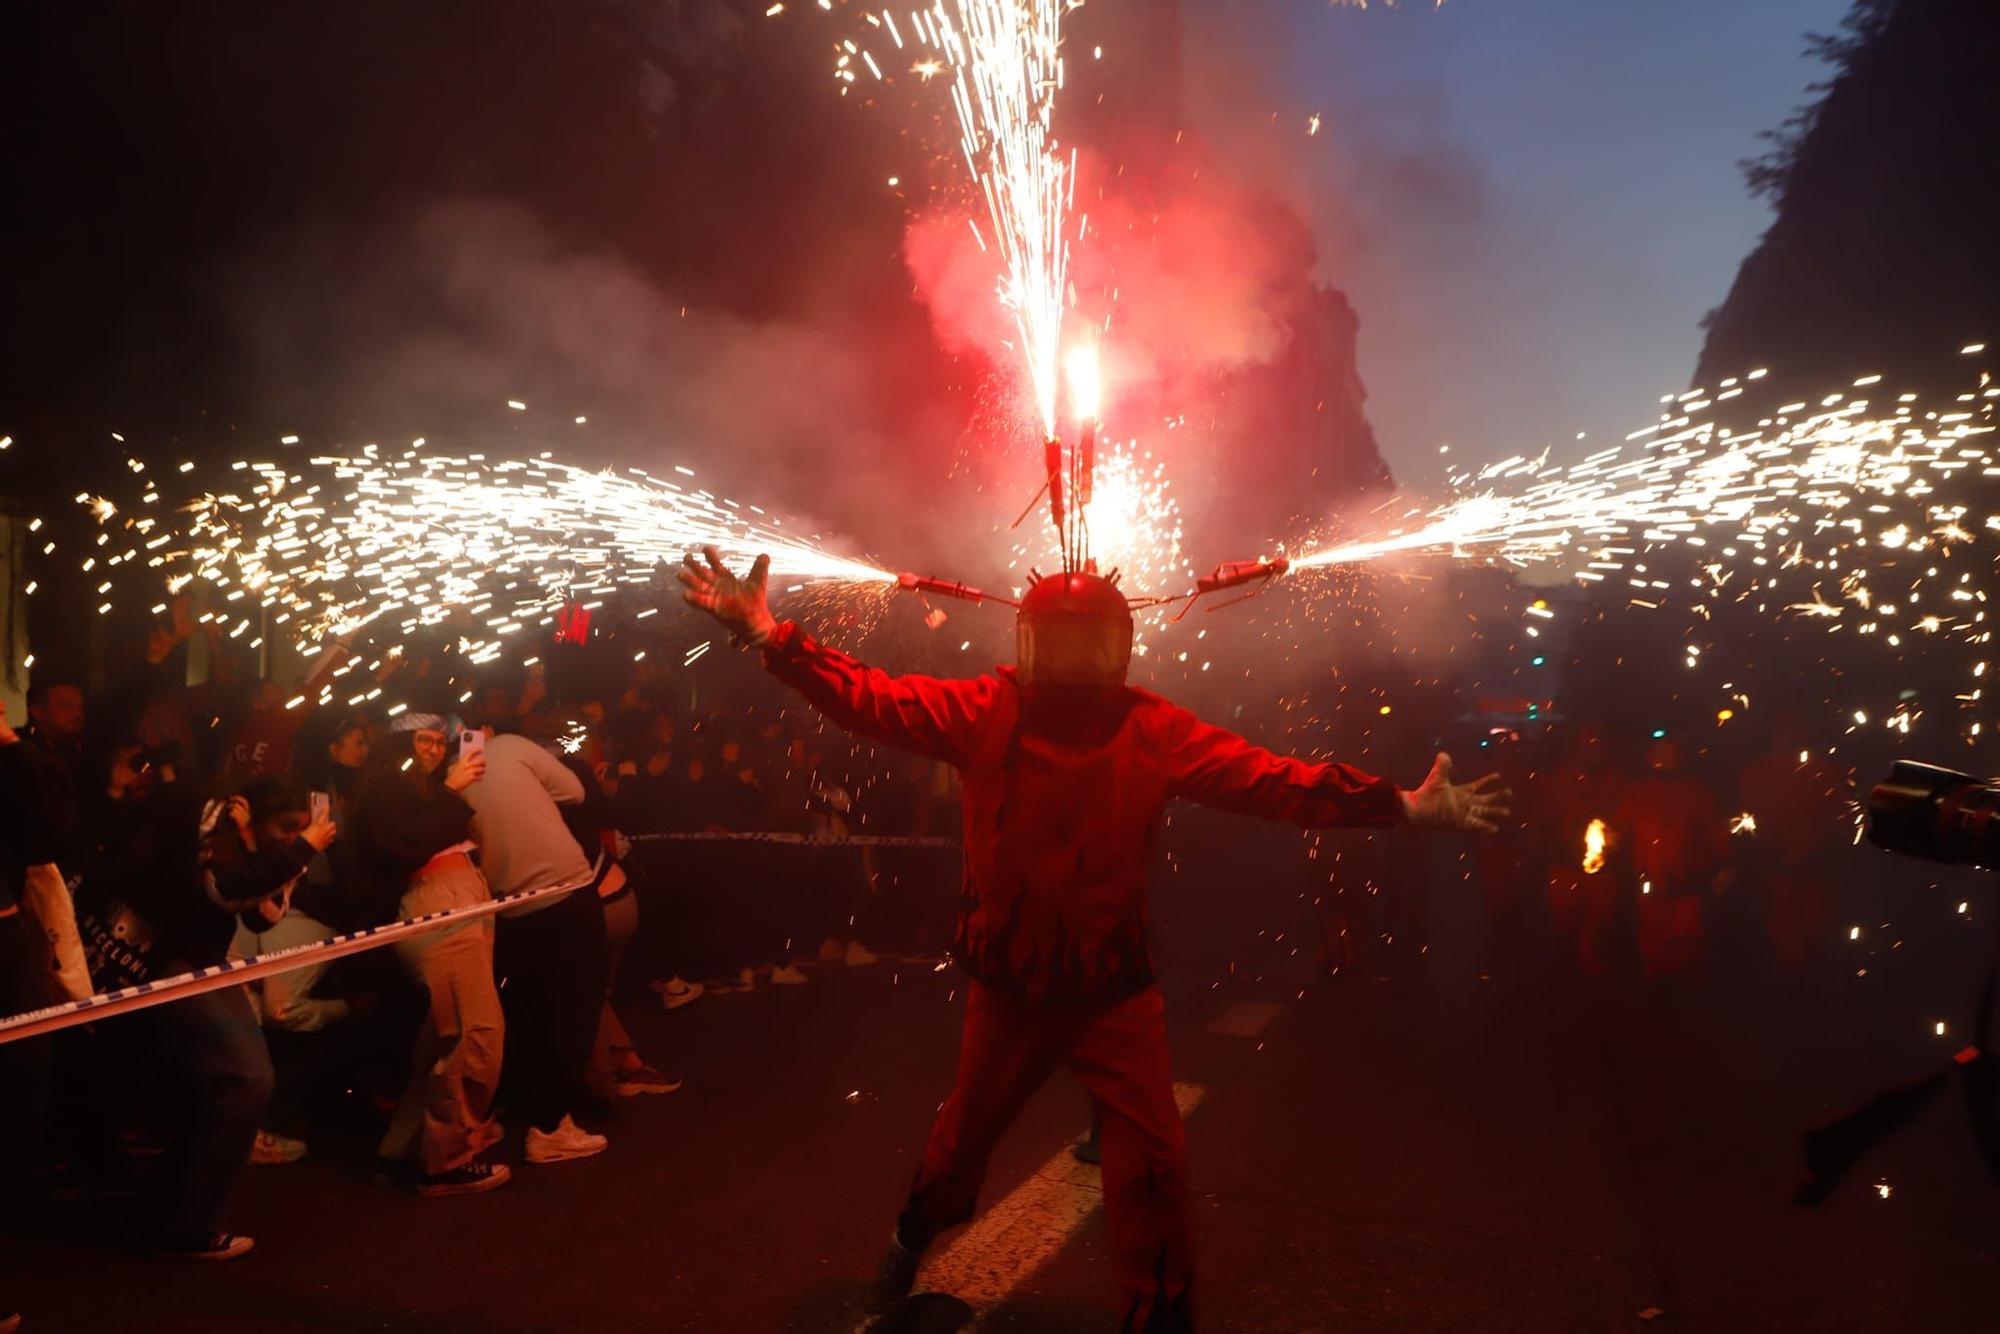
[322, 807]
[471, 742]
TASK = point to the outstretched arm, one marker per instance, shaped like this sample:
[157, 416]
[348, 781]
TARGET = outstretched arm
[933, 717]
[1216, 767]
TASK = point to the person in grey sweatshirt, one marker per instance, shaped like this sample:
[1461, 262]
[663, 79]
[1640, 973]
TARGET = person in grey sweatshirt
[549, 954]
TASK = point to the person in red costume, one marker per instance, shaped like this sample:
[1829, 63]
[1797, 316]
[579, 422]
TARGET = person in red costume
[1066, 771]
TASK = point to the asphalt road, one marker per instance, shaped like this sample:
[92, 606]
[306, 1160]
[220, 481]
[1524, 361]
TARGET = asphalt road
[1435, 1142]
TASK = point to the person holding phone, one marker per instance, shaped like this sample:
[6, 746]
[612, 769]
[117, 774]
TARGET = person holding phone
[413, 833]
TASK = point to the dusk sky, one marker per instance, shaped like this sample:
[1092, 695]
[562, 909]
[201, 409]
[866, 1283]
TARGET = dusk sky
[1532, 203]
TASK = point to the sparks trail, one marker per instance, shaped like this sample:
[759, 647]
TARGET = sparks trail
[423, 539]
[1870, 520]
[1006, 68]
[1785, 483]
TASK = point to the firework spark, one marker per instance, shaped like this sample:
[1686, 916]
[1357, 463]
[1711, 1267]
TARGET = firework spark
[422, 539]
[1861, 515]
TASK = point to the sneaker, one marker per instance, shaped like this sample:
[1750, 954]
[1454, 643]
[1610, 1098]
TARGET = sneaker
[395, 1171]
[675, 993]
[829, 950]
[645, 1079]
[897, 1275]
[566, 1141]
[475, 1178]
[203, 1246]
[271, 1150]
[789, 975]
[860, 956]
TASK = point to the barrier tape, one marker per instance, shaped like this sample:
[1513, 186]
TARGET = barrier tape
[124, 1000]
[215, 977]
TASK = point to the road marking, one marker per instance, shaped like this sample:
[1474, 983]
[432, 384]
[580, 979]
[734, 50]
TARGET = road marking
[1021, 1233]
[1245, 1019]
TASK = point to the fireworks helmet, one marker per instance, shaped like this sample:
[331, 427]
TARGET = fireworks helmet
[1074, 630]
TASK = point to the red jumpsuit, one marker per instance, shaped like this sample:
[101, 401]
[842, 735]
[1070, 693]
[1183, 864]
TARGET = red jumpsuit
[1061, 809]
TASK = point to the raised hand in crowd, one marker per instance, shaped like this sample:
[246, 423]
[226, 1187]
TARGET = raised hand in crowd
[321, 833]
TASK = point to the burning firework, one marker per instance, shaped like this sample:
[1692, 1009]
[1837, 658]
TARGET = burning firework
[1006, 68]
[1845, 510]
[1593, 847]
[423, 539]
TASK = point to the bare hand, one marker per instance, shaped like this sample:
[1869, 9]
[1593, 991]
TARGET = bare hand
[1439, 803]
[8, 736]
[464, 773]
[321, 833]
[739, 603]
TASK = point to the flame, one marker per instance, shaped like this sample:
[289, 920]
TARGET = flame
[1745, 823]
[1086, 382]
[1593, 848]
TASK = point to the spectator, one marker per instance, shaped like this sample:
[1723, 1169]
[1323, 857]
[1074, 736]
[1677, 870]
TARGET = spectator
[255, 851]
[41, 960]
[294, 1018]
[160, 886]
[412, 830]
[550, 953]
[55, 725]
[616, 1068]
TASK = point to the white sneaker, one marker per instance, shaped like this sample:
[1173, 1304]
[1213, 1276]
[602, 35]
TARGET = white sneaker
[566, 1141]
[675, 992]
[860, 956]
[788, 976]
[271, 1150]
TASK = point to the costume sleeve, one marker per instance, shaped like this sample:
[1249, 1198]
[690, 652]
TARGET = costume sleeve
[1215, 767]
[930, 716]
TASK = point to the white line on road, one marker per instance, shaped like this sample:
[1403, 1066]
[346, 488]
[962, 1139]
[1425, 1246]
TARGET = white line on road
[1022, 1232]
[1245, 1019]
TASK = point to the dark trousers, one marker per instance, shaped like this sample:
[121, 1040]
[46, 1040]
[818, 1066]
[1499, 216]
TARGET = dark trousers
[25, 1067]
[215, 1075]
[1119, 1051]
[551, 967]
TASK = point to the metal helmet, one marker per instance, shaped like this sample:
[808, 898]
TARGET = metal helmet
[1073, 630]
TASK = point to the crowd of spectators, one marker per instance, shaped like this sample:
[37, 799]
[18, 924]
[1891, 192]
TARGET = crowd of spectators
[152, 827]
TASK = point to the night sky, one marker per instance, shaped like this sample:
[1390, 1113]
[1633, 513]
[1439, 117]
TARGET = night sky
[1531, 202]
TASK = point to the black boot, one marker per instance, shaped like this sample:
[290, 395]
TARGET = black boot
[897, 1275]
